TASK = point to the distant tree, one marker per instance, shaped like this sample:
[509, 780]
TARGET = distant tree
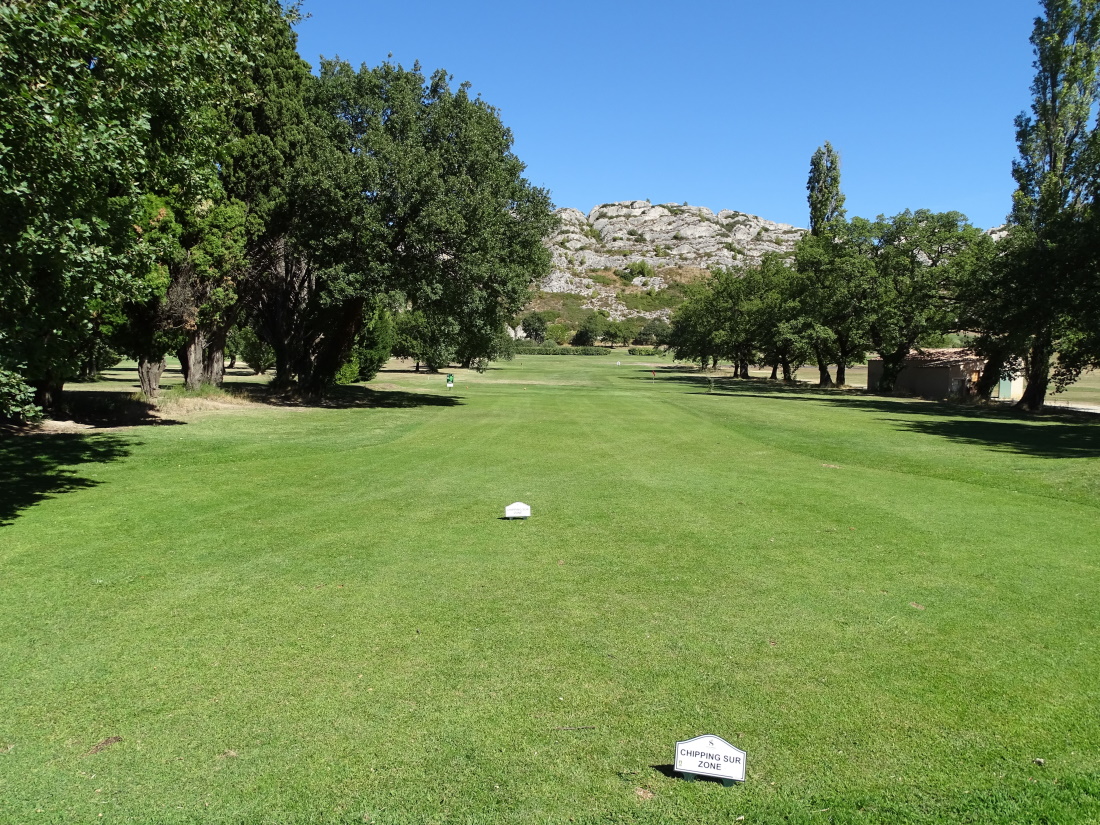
[617, 332]
[825, 197]
[253, 350]
[534, 327]
[919, 258]
[693, 333]
[654, 331]
[836, 290]
[559, 333]
[776, 315]
[591, 330]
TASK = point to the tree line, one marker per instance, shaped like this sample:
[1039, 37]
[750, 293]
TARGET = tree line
[1028, 302]
[175, 180]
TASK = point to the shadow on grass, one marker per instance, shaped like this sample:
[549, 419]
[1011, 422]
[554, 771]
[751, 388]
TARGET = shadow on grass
[670, 772]
[344, 398]
[109, 408]
[1055, 433]
[39, 466]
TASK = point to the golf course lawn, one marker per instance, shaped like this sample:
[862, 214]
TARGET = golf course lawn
[292, 614]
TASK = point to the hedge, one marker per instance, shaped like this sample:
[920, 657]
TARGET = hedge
[562, 351]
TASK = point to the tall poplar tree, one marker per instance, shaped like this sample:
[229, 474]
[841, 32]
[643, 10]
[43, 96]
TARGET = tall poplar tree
[826, 199]
[1056, 177]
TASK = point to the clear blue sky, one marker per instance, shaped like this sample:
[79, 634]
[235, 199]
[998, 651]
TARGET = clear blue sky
[721, 104]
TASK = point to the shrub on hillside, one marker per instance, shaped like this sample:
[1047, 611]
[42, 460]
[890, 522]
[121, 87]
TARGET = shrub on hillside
[559, 333]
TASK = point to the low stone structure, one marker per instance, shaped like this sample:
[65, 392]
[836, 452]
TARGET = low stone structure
[933, 373]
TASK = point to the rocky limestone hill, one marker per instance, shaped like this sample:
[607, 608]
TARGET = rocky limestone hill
[679, 242]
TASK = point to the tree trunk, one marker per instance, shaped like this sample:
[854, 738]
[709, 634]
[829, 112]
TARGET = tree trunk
[213, 366]
[775, 372]
[1037, 375]
[841, 374]
[743, 368]
[149, 373]
[47, 393]
[190, 355]
[823, 377]
[892, 365]
[786, 364]
[991, 375]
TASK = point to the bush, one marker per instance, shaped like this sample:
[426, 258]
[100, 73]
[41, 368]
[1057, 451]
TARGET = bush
[16, 399]
[650, 351]
[373, 346]
[349, 373]
[256, 352]
[559, 333]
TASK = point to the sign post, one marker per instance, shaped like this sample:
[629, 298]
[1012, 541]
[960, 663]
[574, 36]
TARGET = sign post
[517, 510]
[710, 755]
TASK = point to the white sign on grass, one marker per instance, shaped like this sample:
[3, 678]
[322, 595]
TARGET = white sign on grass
[517, 510]
[710, 755]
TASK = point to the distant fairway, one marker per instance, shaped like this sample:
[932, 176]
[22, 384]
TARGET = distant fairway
[316, 615]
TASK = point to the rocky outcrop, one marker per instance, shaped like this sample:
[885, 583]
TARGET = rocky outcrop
[665, 236]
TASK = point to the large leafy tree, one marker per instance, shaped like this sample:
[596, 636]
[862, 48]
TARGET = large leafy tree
[776, 312]
[414, 189]
[101, 103]
[919, 260]
[836, 288]
[1040, 299]
[834, 269]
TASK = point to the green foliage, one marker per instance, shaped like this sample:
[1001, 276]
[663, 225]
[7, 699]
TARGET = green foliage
[348, 373]
[618, 332]
[255, 352]
[100, 104]
[573, 350]
[534, 327]
[668, 298]
[415, 190]
[919, 258]
[374, 344]
[16, 398]
[1040, 297]
[654, 331]
[660, 251]
[591, 330]
[647, 351]
[559, 333]
[825, 197]
[637, 269]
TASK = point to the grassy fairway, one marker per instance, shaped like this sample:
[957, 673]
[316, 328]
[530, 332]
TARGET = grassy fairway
[316, 615]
